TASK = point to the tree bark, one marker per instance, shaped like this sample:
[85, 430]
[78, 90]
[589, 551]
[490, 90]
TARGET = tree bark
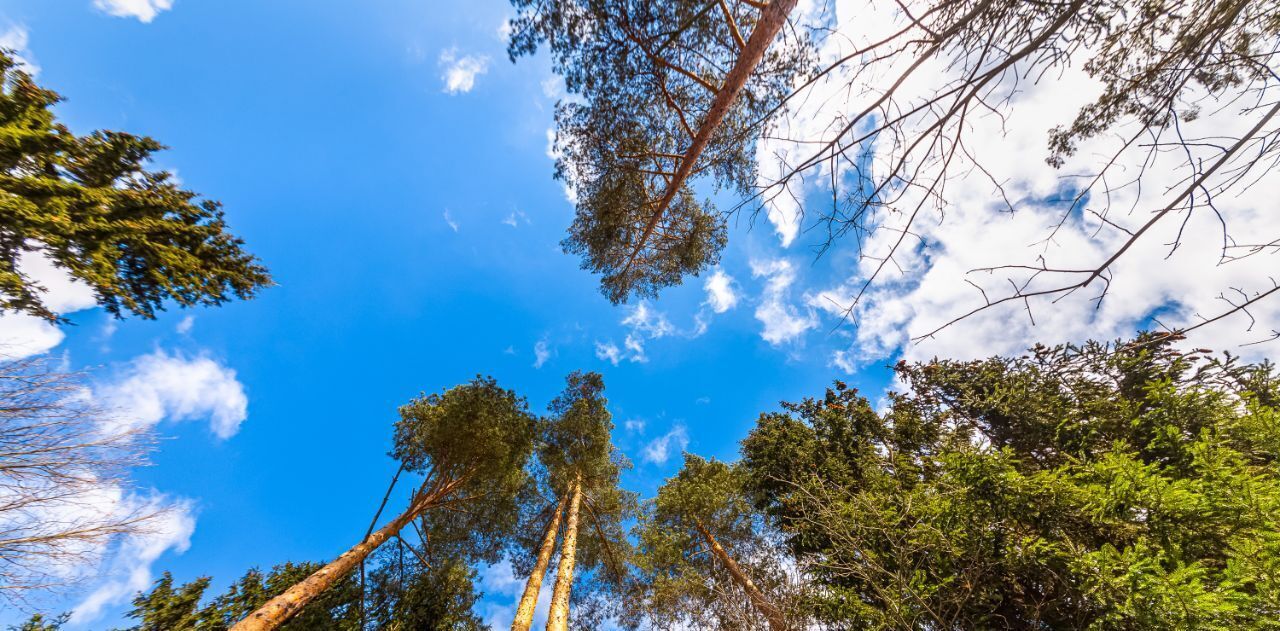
[529, 601]
[280, 609]
[772, 18]
[771, 613]
[559, 618]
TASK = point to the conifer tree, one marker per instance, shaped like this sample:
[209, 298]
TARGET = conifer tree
[1125, 486]
[666, 92]
[583, 468]
[470, 443]
[89, 204]
[706, 558]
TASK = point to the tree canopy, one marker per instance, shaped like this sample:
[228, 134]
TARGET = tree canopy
[1104, 486]
[90, 204]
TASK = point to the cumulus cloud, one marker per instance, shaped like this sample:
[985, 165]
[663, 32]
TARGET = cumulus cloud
[128, 567]
[459, 72]
[660, 449]
[931, 280]
[783, 322]
[143, 10]
[185, 325]
[721, 296]
[23, 335]
[161, 386]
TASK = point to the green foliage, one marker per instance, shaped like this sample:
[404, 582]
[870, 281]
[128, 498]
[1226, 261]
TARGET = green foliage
[680, 584]
[576, 441]
[404, 595]
[643, 75]
[38, 622]
[91, 206]
[1100, 487]
[166, 608]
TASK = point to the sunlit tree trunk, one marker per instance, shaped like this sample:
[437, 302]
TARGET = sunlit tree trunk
[280, 609]
[772, 18]
[771, 613]
[559, 618]
[529, 601]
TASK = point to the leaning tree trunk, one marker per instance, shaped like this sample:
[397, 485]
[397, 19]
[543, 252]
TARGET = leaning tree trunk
[529, 601]
[559, 618]
[771, 613]
[772, 18]
[280, 609]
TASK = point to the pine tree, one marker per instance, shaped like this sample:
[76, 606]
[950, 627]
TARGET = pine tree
[470, 443]
[1128, 486]
[667, 92]
[706, 557]
[90, 205]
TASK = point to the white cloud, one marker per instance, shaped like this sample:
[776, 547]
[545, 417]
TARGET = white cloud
[644, 319]
[185, 325]
[541, 353]
[459, 73]
[159, 386]
[634, 426]
[659, 450]
[720, 294]
[15, 38]
[449, 221]
[516, 218]
[129, 569]
[783, 322]
[503, 588]
[23, 335]
[928, 282]
[609, 352]
[144, 10]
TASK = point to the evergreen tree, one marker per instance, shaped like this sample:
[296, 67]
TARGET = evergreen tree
[1131, 486]
[706, 559]
[90, 205]
[166, 608]
[38, 622]
[667, 92]
[470, 444]
[582, 468]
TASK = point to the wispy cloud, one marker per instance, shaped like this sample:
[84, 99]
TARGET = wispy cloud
[459, 72]
[541, 353]
[143, 10]
[783, 322]
[659, 450]
[449, 221]
[15, 38]
[129, 569]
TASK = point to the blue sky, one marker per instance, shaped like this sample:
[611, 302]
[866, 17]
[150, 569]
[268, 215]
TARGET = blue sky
[414, 235]
[390, 166]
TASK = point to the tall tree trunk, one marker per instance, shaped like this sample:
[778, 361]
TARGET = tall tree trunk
[772, 18]
[529, 601]
[280, 609]
[559, 618]
[771, 613]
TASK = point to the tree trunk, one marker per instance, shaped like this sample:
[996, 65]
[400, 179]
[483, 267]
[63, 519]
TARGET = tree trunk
[280, 609]
[772, 18]
[559, 618]
[771, 613]
[529, 601]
